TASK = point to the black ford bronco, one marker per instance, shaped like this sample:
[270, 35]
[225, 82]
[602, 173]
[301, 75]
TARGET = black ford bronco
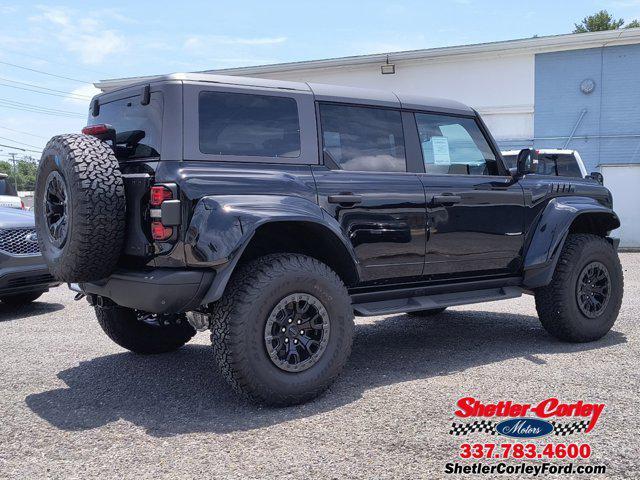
[273, 212]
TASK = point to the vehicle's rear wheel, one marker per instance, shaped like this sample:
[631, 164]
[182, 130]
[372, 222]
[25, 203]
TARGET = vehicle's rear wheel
[79, 208]
[20, 298]
[142, 332]
[582, 301]
[427, 313]
[283, 330]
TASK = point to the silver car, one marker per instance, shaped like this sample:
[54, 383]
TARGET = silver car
[23, 273]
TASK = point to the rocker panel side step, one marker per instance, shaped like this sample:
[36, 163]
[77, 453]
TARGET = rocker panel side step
[427, 302]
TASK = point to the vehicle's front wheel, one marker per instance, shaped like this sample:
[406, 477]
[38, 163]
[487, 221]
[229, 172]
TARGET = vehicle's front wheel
[583, 299]
[142, 332]
[20, 298]
[283, 330]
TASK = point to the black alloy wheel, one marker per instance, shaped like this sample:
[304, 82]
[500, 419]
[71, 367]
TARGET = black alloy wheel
[593, 289]
[297, 331]
[56, 209]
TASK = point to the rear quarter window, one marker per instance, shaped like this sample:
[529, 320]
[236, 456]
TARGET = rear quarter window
[138, 127]
[242, 124]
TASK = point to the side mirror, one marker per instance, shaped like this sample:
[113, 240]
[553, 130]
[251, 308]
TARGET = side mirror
[527, 161]
[597, 176]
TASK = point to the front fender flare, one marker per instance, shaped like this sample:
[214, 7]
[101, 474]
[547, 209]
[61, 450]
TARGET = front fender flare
[551, 230]
[222, 226]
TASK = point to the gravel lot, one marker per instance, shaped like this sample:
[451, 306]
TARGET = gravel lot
[74, 405]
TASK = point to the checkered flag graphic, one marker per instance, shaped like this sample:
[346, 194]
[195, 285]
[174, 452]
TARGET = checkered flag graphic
[564, 429]
[484, 426]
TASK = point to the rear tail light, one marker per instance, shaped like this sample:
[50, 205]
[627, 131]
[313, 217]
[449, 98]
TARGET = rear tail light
[159, 232]
[99, 129]
[159, 194]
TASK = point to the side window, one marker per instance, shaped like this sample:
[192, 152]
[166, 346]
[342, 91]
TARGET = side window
[363, 138]
[248, 125]
[454, 145]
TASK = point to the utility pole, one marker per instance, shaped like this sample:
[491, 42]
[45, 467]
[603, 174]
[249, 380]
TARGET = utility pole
[15, 170]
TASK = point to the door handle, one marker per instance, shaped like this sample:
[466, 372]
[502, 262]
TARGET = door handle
[446, 199]
[345, 199]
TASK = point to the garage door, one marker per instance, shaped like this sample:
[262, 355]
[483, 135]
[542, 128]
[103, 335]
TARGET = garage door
[624, 183]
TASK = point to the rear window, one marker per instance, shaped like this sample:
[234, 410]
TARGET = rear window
[7, 188]
[562, 164]
[248, 125]
[138, 127]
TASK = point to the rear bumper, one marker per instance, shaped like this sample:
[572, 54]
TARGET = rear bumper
[162, 290]
[23, 279]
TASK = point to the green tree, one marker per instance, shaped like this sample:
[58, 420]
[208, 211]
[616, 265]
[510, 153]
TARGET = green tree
[5, 167]
[600, 21]
[27, 171]
[24, 174]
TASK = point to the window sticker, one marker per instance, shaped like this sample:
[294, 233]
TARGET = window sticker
[440, 147]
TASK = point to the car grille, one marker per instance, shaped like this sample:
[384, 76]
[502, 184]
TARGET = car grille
[19, 241]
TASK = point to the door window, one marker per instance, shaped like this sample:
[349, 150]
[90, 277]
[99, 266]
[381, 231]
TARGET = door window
[454, 145]
[248, 125]
[363, 138]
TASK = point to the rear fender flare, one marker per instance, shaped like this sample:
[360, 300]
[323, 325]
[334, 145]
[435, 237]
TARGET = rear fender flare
[222, 226]
[551, 231]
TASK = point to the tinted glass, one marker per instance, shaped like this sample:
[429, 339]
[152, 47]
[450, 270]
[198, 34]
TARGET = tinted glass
[559, 164]
[510, 160]
[363, 138]
[454, 145]
[7, 188]
[248, 125]
[138, 127]
[562, 164]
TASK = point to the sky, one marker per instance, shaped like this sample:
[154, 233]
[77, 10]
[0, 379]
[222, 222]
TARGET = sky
[78, 42]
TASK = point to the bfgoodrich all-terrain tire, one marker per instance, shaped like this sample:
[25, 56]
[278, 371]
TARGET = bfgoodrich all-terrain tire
[79, 208]
[142, 333]
[283, 330]
[583, 299]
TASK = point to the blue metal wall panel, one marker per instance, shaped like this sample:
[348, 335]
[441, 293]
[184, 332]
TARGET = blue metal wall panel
[610, 128]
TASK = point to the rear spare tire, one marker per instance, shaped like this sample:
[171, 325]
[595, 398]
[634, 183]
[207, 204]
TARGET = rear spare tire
[79, 208]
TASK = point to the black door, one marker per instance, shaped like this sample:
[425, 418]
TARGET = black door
[475, 216]
[365, 185]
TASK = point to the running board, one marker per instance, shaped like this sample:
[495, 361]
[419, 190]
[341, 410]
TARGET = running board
[428, 302]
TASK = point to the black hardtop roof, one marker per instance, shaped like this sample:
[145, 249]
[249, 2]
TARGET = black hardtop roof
[322, 92]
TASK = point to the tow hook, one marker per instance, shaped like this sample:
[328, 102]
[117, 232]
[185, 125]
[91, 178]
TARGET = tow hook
[199, 320]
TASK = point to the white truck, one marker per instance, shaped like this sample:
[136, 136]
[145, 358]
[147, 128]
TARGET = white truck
[562, 163]
[8, 195]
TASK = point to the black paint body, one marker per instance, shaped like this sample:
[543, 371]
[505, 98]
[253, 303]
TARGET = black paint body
[396, 236]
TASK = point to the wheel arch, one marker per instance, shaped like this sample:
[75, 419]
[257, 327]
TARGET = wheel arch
[306, 237]
[561, 217]
[227, 231]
